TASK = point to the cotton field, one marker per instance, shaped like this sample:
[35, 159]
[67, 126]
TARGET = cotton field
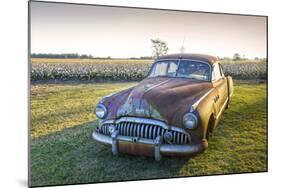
[125, 70]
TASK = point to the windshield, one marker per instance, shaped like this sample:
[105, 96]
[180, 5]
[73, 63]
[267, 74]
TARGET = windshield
[181, 68]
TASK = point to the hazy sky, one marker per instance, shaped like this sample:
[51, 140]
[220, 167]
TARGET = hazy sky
[126, 32]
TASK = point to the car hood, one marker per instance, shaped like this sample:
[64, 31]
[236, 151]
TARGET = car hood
[162, 98]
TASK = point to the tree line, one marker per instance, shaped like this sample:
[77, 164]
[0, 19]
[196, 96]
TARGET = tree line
[78, 56]
[61, 56]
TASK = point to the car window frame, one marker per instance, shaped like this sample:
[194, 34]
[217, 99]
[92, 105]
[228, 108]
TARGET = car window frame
[221, 69]
[176, 62]
[150, 69]
[213, 68]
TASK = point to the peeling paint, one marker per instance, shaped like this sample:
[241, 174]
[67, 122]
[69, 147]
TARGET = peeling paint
[158, 98]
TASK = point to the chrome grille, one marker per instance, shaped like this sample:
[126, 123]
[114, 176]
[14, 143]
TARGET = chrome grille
[143, 130]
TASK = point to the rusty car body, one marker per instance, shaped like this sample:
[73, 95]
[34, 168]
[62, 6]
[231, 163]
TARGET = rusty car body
[171, 112]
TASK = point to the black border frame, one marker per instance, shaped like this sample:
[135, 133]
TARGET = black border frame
[143, 8]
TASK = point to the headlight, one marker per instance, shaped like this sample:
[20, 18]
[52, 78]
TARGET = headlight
[101, 111]
[190, 121]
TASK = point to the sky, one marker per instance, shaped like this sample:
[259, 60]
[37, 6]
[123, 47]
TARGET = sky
[126, 32]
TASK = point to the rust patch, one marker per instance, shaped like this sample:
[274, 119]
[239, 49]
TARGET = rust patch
[136, 148]
[158, 98]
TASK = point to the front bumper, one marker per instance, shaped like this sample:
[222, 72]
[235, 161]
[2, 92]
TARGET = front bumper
[150, 147]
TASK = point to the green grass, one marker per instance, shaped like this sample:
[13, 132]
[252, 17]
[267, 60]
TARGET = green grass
[63, 152]
[55, 107]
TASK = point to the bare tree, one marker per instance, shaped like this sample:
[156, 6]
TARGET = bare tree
[159, 47]
[236, 56]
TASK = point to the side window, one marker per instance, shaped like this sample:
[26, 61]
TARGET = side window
[216, 74]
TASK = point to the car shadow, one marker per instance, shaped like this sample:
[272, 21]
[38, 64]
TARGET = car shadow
[75, 155]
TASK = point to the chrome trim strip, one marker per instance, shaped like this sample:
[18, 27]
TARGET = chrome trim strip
[195, 105]
[114, 142]
[142, 130]
[107, 140]
[182, 136]
[154, 131]
[174, 137]
[158, 130]
[221, 110]
[101, 122]
[141, 120]
[154, 86]
[178, 138]
[138, 131]
[150, 132]
[157, 151]
[183, 149]
[128, 129]
[177, 129]
[185, 139]
[134, 130]
[145, 132]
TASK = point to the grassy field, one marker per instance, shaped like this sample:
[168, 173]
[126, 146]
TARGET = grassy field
[63, 152]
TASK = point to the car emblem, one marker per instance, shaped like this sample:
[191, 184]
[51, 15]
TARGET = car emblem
[139, 111]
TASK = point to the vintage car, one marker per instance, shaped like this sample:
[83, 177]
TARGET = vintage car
[171, 112]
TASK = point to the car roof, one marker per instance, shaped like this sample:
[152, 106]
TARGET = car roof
[200, 57]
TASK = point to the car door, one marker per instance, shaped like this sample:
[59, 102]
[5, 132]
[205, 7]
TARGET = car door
[220, 84]
[225, 87]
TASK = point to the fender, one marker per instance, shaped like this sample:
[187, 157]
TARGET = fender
[205, 109]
